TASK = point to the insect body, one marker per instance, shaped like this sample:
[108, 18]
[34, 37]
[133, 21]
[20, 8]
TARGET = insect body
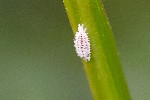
[82, 43]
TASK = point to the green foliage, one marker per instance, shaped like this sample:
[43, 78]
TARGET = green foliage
[104, 70]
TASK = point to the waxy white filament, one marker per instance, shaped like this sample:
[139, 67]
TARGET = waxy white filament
[82, 43]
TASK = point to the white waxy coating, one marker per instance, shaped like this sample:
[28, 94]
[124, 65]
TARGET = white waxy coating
[82, 43]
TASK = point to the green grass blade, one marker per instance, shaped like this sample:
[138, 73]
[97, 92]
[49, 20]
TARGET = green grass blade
[104, 70]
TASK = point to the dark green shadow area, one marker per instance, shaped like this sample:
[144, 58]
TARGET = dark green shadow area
[37, 58]
[130, 20]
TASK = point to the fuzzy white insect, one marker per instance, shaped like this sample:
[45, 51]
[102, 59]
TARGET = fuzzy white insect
[82, 43]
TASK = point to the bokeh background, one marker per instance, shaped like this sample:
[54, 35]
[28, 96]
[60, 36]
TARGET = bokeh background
[38, 60]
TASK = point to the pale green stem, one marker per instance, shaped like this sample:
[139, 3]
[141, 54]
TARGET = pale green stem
[104, 72]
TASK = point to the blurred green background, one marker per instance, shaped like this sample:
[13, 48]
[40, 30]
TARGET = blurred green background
[38, 60]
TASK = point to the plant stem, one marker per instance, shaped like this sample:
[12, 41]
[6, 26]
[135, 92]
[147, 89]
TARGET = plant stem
[104, 70]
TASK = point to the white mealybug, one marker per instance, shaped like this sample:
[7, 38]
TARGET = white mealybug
[82, 43]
